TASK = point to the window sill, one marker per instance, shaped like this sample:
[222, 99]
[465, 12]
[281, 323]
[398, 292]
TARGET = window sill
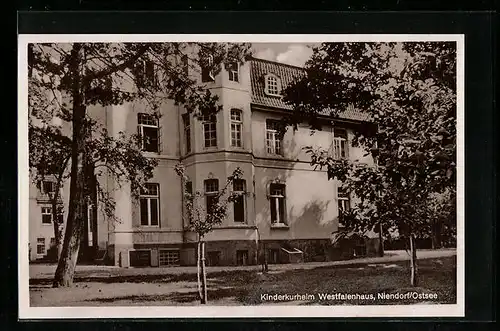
[279, 226]
[47, 224]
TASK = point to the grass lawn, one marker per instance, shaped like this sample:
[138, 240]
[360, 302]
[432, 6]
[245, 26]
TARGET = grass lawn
[246, 287]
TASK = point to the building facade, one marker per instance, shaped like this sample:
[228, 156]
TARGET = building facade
[288, 211]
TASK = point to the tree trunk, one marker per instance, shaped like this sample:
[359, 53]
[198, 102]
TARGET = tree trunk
[380, 240]
[76, 214]
[57, 231]
[198, 269]
[266, 265]
[413, 262]
[204, 274]
[74, 234]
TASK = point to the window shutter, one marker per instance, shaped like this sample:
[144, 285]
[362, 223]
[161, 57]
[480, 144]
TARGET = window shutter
[338, 149]
[160, 136]
[139, 133]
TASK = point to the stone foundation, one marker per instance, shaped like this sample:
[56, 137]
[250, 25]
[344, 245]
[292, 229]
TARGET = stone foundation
[246, 252]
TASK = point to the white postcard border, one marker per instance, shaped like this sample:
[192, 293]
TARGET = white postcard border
[27, 312]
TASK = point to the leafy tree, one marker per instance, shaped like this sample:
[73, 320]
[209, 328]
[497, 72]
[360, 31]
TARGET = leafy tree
[80, 75]
[408, 91]
[201, 217]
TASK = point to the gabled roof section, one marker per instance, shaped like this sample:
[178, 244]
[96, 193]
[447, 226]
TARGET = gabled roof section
[259, 68]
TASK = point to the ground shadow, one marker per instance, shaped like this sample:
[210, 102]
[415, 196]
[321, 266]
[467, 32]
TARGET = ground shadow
[245, 287]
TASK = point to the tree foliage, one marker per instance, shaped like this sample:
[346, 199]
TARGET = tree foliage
[408, 90]
[66, 79]
[198, 218]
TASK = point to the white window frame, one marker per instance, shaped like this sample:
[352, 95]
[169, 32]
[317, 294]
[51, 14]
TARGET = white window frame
[169, 250]
[278, 198]
[243, 196]
[209, 124]
[149, 198]
[340, 145]
[236, 123]
[273, 141]
[47, 211]
[142, 123]
[344, 200]
[234, 75]
[272, 85]
[40, 242]
[210, 73]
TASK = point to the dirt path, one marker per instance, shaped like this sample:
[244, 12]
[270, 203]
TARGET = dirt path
[46, 271]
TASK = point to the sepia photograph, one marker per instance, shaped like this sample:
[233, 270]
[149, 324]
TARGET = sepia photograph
[195, 176]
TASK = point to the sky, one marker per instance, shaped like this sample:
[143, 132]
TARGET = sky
[290, 53]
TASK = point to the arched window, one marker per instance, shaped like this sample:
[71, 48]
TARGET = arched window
[273, 85]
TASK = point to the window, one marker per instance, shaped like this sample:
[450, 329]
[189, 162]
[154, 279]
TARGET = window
[242, 257]
[272, 85]
[140, 258]
[46, 215]
[187, 132]
[168, 258]
[40, 246]
[273, 256]
[211, 191]
[343, 200]
[277, 204]
[213, 258]
[149, 132]
[273, 139]
[239, 202]
[189, 187]
[207, 74]
[340, 144]
[210, 131]
[233, 71]
[145, 74]
[149, 204]
[236, 128]
[46, 186]
[52, 242]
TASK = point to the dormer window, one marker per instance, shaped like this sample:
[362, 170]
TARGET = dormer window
[273, 85]
[233, 71]
[207, 74]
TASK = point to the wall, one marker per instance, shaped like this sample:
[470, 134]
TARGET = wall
[311, 199]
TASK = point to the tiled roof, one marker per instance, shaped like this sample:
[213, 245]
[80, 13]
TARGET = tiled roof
[259, 68]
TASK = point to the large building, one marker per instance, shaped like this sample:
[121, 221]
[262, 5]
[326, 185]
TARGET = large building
[288, 209]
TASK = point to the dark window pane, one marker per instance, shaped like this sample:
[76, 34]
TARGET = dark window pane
[210, 202]
[273, 209]
[140, 258]
[150, 139]
[46, 219]
[239, 209]
[144, 212]
[282, 210]
[48, 187]
[189, 187]
[154, 211]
